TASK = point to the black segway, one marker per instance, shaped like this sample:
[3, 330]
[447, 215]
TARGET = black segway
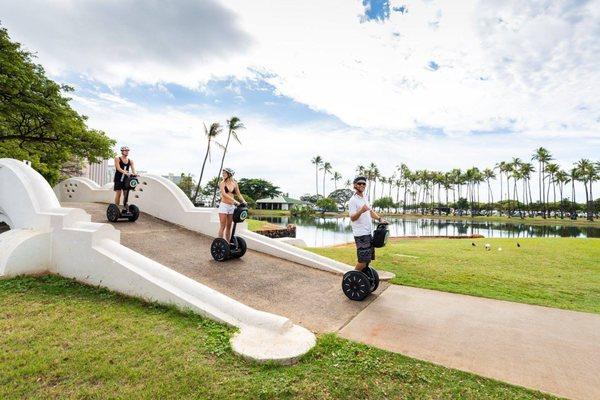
[236, 248]
[129, 212]
[357, 285]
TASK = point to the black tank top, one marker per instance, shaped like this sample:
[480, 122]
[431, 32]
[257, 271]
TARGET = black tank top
[119, 174]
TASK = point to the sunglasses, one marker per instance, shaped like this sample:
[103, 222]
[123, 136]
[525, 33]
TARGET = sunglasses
[361, 184]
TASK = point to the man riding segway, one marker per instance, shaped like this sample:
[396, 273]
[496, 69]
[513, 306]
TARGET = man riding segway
[359, 283]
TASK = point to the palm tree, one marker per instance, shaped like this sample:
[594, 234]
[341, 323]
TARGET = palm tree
[561, 177]
[542, 156]
[573, 176]
[213, 132]
[348, 183]
[372, 175]
[552, 169]
[500, 167]
[487, 175]
[515, 172]
[233, 125]
[526, 171]
[326, 168]
[317, 161]
[587, 174]
[506, 168]
[335, 178]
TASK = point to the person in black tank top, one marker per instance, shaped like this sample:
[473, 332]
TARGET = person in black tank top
[229, 189]
[123, 167]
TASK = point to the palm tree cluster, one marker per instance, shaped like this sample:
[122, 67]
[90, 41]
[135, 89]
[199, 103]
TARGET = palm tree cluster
[233, 126]
[427, 191]
[322, 165]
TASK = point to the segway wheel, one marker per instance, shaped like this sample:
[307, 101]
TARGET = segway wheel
[373, 277]
[219, 249]
[241, 248]
[356, 285]
[135, 213]
[113, 213]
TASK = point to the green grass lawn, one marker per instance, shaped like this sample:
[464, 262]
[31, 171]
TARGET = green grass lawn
[61, 339]
[580, 223]
[255, 225]
[554, 272]
[275, 213]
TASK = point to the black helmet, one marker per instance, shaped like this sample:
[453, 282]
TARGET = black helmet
[360, 179]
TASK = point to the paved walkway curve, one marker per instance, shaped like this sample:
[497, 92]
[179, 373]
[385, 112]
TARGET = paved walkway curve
[552, 350]
[309, 297]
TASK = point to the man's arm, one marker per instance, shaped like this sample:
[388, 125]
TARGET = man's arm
[132, 167]
[376, 216]
[354, 213]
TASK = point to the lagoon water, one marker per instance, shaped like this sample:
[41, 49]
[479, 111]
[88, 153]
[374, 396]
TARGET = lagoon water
[317, 232]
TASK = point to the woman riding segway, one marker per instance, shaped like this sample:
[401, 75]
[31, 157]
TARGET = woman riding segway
[123, 166]
[125, 180]
[229, 189]
[227, 245]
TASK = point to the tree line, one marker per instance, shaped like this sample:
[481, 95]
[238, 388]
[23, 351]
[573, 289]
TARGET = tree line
[37, 122]
[428, 191]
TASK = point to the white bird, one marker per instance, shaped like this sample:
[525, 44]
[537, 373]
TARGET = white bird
[488, 247]
[499, 248]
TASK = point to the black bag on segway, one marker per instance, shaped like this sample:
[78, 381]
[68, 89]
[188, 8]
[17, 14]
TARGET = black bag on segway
[380, 235]
[240, 213]
[130, 182]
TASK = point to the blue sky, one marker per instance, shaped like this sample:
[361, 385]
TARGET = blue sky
[434, 84]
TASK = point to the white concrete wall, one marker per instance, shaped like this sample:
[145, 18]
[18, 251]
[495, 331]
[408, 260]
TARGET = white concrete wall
[47, 238]
[163, 199]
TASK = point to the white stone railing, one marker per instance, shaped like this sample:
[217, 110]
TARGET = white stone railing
[48, 238]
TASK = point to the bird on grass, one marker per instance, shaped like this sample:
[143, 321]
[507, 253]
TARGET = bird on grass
[473, 244]
[518, 244]
[488, 247]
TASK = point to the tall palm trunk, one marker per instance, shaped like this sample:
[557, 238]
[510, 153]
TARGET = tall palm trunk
[201, 174]
[508, 193]
[317, 178]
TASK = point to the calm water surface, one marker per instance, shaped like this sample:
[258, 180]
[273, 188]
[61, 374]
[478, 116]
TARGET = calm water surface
[317, 232]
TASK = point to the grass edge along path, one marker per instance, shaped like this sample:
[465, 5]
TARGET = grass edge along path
[553, 272]
[62, 339]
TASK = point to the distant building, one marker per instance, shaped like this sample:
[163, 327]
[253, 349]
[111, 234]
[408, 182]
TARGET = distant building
[278, 203]
[98, 172]
[176, 179]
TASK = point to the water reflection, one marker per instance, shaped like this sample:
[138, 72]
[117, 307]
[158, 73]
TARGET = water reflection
[327, 231]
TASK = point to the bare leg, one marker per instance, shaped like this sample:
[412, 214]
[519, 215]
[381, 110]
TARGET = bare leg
[117, 197]
[228, 227]
[360, 266]
[223, 223]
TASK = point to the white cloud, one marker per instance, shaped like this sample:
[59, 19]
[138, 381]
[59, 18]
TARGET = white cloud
[502, 64]
[118, 40]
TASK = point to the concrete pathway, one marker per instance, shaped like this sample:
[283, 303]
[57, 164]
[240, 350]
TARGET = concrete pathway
[552, 350]
[311, 298]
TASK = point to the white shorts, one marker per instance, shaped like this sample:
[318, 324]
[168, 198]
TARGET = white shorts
[225, 208]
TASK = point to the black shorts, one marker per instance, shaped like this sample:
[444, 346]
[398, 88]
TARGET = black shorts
[118, 185]
[364, 250]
